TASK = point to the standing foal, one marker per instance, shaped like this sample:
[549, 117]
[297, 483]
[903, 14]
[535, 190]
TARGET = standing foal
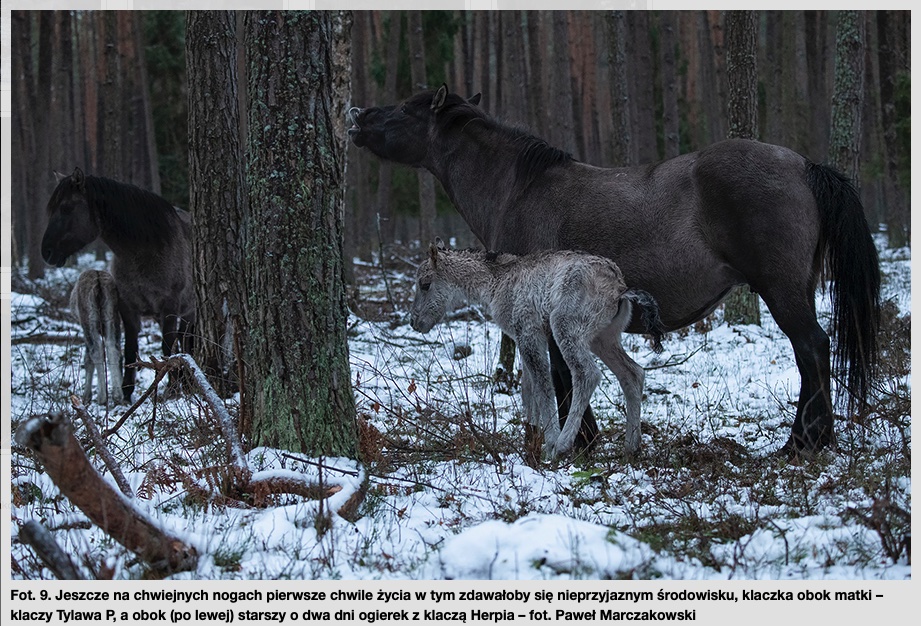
[94, 302]
[579, 299]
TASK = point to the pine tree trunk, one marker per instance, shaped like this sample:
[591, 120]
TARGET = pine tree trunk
[668, 28]
[620, 140]
[742, 306]
[296, 312]
[426, 180]
[892, 68]
[216, 192]
[844, 152]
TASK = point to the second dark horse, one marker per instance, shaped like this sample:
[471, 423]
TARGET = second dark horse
[687, 230]
[151, 241]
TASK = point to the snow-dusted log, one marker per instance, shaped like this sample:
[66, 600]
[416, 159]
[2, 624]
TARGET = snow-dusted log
[53, 441]
[39, 539]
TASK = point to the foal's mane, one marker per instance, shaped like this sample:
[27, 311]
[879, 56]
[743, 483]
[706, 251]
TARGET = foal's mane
[534, 155]
[130, 212]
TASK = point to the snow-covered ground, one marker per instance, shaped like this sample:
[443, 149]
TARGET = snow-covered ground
[450, 495]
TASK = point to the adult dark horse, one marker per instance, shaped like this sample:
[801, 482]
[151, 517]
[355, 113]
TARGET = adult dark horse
[151, 241]
[687, 230]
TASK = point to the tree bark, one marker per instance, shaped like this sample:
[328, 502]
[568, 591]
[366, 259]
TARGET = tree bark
[742, 306]
[844, 152]
[425, 178]
[893, 69]
[216, 193]
[296, 312]
[668, 28]
[621, 139]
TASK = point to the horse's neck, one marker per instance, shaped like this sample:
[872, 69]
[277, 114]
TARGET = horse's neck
[478, 192]
[476, 282]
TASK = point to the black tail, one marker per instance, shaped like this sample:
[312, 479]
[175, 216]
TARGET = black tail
[852, 262]
[651, 320]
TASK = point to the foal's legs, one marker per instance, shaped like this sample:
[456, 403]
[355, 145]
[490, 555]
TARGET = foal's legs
[562, 387]
[536, 388]
[585, 375]
[629, 374]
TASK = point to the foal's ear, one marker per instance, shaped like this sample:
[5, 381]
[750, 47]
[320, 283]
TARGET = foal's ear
[440, 244]
[474, 100]
[440, 96]
[433, 255]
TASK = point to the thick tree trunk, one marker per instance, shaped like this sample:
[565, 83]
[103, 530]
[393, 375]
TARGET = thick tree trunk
[296, 313]
[216, 192]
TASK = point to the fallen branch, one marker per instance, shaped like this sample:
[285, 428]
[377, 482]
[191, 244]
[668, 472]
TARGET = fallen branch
[100, 445]
[53, 441]
[40, 540]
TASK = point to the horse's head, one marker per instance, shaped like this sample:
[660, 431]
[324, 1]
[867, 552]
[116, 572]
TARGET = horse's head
[71, 223]
[434, 292]
[403, 132]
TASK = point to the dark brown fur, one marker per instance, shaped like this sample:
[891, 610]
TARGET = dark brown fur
[151, 242]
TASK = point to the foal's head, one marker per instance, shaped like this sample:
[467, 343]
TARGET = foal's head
[436, 287]
[71, 223]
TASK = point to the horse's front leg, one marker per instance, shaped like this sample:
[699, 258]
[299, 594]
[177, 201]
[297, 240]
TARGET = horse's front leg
[132, 323]
[174, 329]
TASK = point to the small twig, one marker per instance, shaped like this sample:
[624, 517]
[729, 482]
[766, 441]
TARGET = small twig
[674, 363]
[101, 448]
[380, 241]
[320, 465]
[39, 539]
[140, 401]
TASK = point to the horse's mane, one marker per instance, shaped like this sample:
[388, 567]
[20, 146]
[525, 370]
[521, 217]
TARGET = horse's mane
[535, 156]
[131, 212]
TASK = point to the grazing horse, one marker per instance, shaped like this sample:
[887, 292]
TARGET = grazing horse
[687, 230]
[94, 303]
[581, 298]
[151, 242]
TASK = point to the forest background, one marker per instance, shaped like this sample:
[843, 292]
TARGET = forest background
[108, 92]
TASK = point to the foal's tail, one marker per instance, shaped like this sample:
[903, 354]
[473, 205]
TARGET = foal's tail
[651, 320]
[852, 262]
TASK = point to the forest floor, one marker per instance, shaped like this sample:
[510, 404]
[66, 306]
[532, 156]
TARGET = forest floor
[449, 495]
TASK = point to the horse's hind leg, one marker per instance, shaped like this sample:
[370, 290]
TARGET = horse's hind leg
[539, 402]
[813, 426]
[585, 377]
[629, 374]
[88, 369]
[562, 387]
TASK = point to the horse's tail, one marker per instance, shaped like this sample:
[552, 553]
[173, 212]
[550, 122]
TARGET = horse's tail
[852, 262]
[650, 311]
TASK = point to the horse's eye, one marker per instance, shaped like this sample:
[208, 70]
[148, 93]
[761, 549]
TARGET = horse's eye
[425, 286]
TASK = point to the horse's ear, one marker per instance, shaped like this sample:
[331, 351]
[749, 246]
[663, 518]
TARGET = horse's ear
[58, 176]
[433, 255]
[440, 96]
[440, 244]
[78, 177]
[475, 100]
